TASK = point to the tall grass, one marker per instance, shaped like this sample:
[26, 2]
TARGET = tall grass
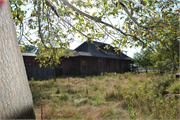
[108, 96]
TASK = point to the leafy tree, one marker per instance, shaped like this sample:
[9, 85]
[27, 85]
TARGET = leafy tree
[166, 58]
[143, 59]
[51, 57]
[126, 22]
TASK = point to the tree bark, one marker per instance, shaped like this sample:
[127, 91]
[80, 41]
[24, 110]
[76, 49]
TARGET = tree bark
[15, 95]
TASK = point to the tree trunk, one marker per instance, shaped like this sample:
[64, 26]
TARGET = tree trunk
[146, 70]
[15, 95]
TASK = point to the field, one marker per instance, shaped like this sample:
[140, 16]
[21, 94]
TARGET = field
[107, 96]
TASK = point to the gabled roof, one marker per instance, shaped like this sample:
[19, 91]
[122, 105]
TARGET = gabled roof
[96, 49]
[93, 49]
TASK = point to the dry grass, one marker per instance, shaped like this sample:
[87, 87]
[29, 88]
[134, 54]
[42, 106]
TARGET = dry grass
[106, 97]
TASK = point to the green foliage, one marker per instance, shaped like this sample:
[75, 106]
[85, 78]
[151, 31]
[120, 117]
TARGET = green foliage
[57, 91]
[127, 74]
[143, 59]
[108, 114]
[167, 57]
[143, 24]
[165, 65]
[174, 88]
[51, 57]
[63, 97]
[132, 113]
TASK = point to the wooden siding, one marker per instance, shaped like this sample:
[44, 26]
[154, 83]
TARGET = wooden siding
[37, 72]
[76, 66]
[98, 65]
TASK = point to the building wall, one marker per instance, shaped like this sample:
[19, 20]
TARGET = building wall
[70, 66]
[90, 65]
[34, 71]
[76, 66]
[37, 72]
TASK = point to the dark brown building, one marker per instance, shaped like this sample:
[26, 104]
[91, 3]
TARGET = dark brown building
[88, 58]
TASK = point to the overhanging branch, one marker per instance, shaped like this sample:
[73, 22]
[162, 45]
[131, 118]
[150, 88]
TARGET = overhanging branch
[98, 20]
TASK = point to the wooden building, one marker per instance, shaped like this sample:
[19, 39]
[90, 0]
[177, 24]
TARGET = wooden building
[88, 58]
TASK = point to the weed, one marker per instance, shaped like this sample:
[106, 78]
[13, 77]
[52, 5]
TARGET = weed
[127, 74]
[57, 91]
[32, 79]
[154, 97]
[129, 78]
[110, 95]
[68, 113]
[101, 78]
[49, 112]
[108, 113]
[81, 101]
[63, 97]
[72, 91]
[119, 77]
[132, 113]
[55, 99]
[95, 88]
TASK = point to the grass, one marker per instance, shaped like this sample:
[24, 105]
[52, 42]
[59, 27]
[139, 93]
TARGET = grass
[108, 96]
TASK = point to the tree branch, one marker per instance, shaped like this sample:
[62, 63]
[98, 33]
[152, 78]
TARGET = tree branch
[39, 24]
[98, 20]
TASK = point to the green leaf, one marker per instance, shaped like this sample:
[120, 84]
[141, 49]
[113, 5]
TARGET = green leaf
[94, 13]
